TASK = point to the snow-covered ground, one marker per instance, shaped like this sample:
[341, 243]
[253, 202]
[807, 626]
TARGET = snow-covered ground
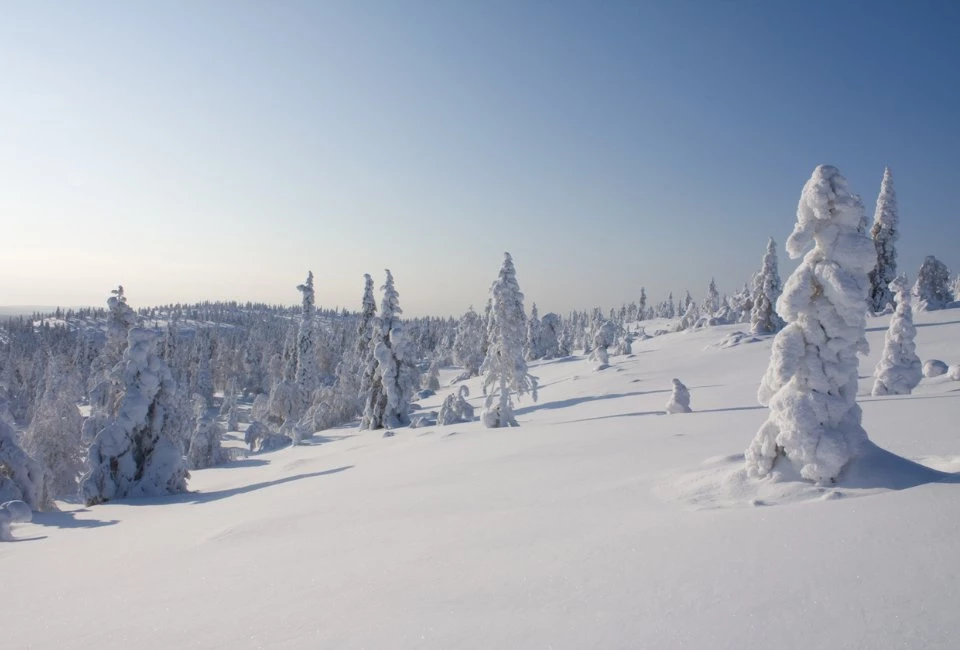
[599, 523]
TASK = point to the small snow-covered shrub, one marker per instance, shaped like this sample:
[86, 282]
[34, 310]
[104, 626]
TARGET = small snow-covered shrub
[898, 371]
[13, 512]
[455, 408]
[934, 368]
[953, 372]
[679, 399]
[260, 438]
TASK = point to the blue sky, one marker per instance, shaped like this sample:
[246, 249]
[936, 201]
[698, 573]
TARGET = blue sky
[218, 150]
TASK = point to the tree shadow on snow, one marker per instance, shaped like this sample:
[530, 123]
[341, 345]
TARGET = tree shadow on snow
[207, 497]
[917, 325]
[615, 415]
[68, 519]
[732, 408]
[573, 401]
[886, 398]
[878, 468]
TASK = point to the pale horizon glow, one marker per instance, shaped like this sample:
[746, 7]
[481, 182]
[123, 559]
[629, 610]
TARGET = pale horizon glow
[220, 150]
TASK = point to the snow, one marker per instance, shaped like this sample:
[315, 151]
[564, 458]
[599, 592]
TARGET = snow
[598, 523]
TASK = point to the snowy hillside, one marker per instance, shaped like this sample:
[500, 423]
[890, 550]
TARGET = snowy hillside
[598, 523]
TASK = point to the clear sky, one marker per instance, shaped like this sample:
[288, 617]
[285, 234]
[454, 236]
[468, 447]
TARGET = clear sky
[220, 149]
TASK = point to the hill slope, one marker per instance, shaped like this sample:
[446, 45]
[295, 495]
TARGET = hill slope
[599, 523]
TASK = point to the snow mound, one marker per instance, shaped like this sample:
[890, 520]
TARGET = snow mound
[724, 483]
[934, 368]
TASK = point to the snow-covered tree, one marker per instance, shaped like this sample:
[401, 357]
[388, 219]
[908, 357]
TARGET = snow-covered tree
[764, 318]
[120, 319]
[604, 335]
[395, 375]
[689, 318]
[885, 232]
[205, 450]
[642, 304]
[456, 408]
[711, 303]
[307, 375]
[53, 437]
[136, 454]
[21, 477]
[469, 344]
[431, 380]
[810, 384]
[551, 332]
[534, 330]
[504, 368]
[679, 399]
[899, 370]
[624, 343]
[932, 288]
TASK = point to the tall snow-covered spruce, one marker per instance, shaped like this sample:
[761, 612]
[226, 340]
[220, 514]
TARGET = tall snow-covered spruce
[393, 366]
[504, 368]
[899, 370]
[766, 291]
[885, 233]
[810, 384]
[136, 454]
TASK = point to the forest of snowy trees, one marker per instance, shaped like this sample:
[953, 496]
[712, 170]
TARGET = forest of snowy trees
[101, 404]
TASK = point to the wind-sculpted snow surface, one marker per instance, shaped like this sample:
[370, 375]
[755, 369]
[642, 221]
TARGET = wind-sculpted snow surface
[594, 525]
[811, 381]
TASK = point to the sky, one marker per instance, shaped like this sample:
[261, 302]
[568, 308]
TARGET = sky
[218, 150]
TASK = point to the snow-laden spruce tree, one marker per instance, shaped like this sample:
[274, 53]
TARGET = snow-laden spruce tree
[205, 449]
[885, 232]
[504, 368]
[811, 382]
[932, 288]
[534, 330]
[899, 370]
[120, 319]
[395, 376]
[21, 477]
[551, 332]
[136, 454]
[53, 437]
[307, 375]
[469, 343]
[431, 380]
[642, 304]
[711, 302]
[766, 291]
[679, 401]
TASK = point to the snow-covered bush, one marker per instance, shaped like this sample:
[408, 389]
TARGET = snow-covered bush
[504, 368]
[136, 454]
[766, 291]
[811, 382]
[934, 368]
[898, 371]
[604, 335]
[932, 288]
[885, 233]
[455, 408]
[953, 372]
[13, 512]
[259, 438]
[679, 399]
